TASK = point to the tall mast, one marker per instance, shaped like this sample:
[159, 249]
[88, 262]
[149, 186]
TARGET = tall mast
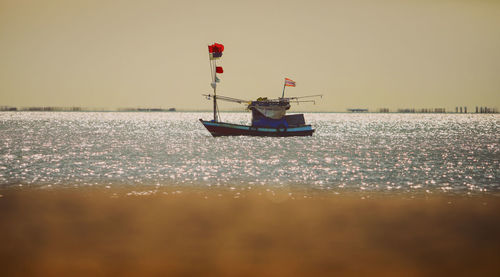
[215, 92]
[214, 52]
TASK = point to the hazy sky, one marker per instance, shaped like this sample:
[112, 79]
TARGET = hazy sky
[366, 54]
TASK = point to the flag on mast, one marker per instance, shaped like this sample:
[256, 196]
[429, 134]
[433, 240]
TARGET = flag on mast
[289, 82]
[215, 51]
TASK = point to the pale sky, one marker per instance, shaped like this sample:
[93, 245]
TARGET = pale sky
[358, 54]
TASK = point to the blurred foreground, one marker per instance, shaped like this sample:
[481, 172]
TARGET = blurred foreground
[109, 233]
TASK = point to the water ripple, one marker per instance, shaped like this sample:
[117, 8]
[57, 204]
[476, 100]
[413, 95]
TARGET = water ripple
[367, 152]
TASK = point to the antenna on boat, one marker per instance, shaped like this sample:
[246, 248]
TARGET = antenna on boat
[214, 53]
[288, 83]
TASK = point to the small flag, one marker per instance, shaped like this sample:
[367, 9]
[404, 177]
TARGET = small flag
[289, 82]
[219, 69]
[216, 48]
[217, 80]
[215, 51]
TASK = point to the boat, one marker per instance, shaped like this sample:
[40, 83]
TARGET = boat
[269, 118]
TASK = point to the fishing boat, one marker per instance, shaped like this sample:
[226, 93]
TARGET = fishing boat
[269, 118]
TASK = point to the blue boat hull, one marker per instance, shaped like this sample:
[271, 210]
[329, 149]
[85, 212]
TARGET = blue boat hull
[218, 129]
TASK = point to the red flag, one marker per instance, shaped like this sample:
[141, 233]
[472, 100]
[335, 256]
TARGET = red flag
[289, 82]
[219, 69]
[218, 47]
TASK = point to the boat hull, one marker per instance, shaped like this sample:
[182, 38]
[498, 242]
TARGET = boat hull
[218, 129]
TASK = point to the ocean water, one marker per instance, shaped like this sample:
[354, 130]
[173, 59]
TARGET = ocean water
[407, 153]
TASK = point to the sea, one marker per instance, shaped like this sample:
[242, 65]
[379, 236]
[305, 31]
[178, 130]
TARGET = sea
[349, 152]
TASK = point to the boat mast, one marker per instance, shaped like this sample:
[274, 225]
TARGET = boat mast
[214, 85]
[214, 52]
[213, 67]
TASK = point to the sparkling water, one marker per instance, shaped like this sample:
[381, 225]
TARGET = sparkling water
[410, 153]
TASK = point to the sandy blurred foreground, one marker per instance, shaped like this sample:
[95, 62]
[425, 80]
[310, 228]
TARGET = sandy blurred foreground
[104, 233]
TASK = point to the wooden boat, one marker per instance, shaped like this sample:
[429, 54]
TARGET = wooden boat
[269, 117]
[218, 129]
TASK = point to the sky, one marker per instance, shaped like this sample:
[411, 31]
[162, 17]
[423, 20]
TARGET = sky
[357, 53]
